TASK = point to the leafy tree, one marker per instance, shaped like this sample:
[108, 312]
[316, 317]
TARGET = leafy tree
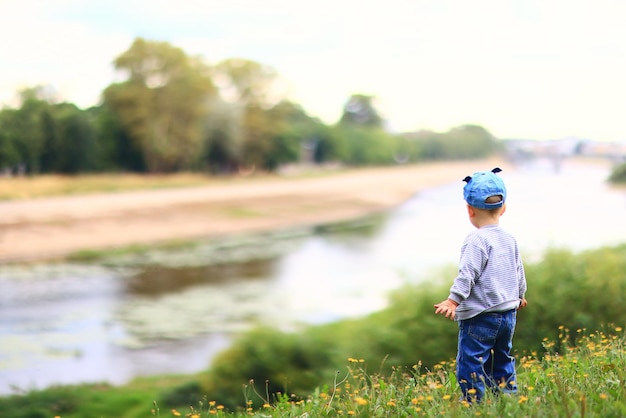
[247, 82]
[294, 135]
[9, 155]
[116, 150]
[430, 144]
[163, 104]
[463, 142]
[366, 146]
[76, 147]
[222, 145]
[51, 144]
[253, 131]
[24, 128]
[360, 110]
[468, 141]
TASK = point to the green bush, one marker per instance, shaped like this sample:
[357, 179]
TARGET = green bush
[577, 291]
[40, 403]
[270, 360]
[185, 394]
[618, 175]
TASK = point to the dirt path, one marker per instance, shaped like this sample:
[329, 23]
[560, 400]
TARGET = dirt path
[55, 227]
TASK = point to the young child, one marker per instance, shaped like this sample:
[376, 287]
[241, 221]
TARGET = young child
[487, 292]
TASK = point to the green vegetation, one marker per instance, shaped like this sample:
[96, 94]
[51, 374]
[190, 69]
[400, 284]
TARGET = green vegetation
[618, 175]
[398, 360]
[175, 113]
[582, 379]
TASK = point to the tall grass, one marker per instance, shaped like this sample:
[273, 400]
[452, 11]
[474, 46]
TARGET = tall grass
[584, 379]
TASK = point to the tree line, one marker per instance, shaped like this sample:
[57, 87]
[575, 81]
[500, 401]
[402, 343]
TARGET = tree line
[173, 112]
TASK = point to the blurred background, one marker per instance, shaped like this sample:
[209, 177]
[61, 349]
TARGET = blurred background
[217, 91]
[170, 311]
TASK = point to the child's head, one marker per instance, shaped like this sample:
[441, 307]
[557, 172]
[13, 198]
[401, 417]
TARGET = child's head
[485, 194]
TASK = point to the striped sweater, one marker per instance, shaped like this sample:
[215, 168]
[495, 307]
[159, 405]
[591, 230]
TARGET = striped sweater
[491, 275]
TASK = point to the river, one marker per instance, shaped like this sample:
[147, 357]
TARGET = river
[171, 312]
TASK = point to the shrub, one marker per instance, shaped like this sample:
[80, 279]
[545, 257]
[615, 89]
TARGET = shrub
[618, 175]
[577, 291]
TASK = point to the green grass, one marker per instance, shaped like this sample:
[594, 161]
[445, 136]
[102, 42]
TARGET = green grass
[584, 379]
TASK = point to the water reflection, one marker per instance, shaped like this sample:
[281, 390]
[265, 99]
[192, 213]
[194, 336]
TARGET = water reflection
[170, 312]
[161, 280]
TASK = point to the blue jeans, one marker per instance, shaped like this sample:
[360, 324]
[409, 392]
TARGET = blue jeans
[484, 354]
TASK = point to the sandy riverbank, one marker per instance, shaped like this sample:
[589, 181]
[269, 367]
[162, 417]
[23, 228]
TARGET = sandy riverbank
[56, 227]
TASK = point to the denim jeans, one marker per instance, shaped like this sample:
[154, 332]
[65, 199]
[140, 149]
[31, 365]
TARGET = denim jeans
[484, 354]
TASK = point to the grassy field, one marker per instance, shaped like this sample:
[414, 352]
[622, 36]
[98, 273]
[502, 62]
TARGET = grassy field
[585, 379]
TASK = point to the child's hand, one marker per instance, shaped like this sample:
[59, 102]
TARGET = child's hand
[522, 303]
[446, 308]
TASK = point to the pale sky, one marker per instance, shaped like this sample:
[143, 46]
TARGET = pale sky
[528, 69]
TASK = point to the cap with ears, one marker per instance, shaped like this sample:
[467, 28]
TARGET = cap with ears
[481, 186]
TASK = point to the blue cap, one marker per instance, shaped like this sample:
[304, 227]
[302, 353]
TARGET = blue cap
[480, 186]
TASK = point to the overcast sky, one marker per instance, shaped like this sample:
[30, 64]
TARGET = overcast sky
[520, 68]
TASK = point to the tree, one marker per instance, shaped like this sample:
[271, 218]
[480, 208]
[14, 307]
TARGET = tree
[9, 154]
[24, 129]
[293, 133]
[116, 150]
[462, 142]
[469, 141]
[163, 103]
[247, 82]
[359, 110]
[362, 146]
[247, 129]
[76, 147]
[222, 145]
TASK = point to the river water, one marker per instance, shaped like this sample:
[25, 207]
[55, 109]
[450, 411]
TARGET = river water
[171, 312]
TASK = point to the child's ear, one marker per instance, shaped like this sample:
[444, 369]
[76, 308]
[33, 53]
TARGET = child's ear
[470, 211]
[503, 209]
